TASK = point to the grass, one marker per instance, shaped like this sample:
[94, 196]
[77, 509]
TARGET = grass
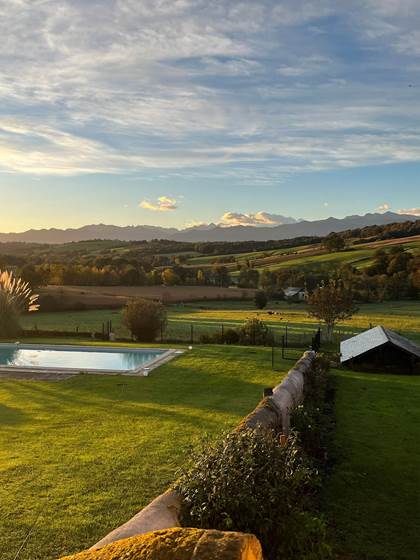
[81, 456]
[373, 496]
[402, 316]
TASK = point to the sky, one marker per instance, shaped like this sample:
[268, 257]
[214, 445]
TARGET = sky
[183, 112]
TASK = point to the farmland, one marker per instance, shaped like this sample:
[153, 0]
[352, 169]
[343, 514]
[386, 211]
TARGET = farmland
[402, 316]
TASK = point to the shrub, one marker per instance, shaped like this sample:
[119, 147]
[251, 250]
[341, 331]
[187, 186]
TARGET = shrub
[260, 299]
[314, 419]
[255, 332]
[247, 482]
[231, 336]
[144, 318]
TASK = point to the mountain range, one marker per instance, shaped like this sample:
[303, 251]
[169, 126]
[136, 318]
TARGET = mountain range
[211, 232]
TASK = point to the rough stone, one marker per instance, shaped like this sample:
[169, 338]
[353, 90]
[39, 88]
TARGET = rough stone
[179, 544]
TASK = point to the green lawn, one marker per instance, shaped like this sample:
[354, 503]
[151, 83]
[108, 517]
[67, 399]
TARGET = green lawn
[373, 496]
[79, 457]
[402, 316]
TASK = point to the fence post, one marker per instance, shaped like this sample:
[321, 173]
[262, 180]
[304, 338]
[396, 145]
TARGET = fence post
[223, 333]
[272, 356]
[282, 347]
[161, 332]
[192, 333]
[286, 339]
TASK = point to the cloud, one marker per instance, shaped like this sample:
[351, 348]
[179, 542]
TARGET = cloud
[258, 219]
[385, 207]
[411, 211]
[163, 204]
[207, 87]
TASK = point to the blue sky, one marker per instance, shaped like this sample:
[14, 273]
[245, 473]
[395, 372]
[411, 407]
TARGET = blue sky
[174, 112]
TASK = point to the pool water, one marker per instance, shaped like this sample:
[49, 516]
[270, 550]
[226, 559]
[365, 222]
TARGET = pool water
[77, 358]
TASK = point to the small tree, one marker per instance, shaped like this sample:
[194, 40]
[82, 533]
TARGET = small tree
[144, 318]
[331, 303]
[260, 299]
[16, 297]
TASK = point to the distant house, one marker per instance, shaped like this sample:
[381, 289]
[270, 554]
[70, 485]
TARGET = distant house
[383, 349]
[294, 294]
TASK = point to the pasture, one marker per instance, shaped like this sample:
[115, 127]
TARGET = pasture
[372, 498]
[81, 456]
[208, 317]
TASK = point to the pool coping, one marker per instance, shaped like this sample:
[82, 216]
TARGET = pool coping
[142, 371]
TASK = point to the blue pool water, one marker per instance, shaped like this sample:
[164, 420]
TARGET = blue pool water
[81, 358]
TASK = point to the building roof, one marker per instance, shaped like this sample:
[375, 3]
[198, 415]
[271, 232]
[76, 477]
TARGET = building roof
[375, 338]
[292, 291]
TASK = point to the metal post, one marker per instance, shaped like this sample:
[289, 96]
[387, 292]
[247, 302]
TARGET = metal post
[272, 356]
[286, 339]
[282, 346]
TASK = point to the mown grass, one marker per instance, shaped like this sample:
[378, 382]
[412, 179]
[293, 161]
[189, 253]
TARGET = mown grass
[402, 316]
[373, 496]
[81, 456]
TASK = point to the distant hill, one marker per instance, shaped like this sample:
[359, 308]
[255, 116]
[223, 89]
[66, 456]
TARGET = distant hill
[212, 232]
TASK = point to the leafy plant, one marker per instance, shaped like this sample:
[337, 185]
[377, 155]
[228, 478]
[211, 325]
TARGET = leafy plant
[260, 299]
[16, 297]
[248, 482]
[255, 332]
[144, 318]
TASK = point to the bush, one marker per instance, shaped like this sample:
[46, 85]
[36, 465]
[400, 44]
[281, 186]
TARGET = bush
[255, 332]
[144, 318]
[247, 482]
[260, 299]
[314, 419]
[231, 336]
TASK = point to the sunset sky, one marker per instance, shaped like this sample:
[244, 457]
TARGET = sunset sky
[177, 112]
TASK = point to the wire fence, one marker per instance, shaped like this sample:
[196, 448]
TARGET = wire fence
[281, 336]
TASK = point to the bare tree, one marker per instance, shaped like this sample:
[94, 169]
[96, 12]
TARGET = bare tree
[331, 303]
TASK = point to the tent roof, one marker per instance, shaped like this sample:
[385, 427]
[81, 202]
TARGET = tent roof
[375, 338]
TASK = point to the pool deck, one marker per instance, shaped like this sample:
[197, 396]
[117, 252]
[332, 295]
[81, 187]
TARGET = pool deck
[58, 374]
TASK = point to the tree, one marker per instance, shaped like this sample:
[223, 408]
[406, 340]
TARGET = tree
[260, 299]
[169, 277]
[16, 297]
[331, 303]
[248, 278]
[334, 242]
[221, 276]
[144, 318]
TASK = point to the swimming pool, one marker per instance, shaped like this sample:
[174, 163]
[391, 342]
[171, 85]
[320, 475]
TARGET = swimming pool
[89, 359]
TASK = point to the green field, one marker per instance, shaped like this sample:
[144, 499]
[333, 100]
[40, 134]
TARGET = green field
[373, 496]
[402, 316]
[311, 256]
[81, 456]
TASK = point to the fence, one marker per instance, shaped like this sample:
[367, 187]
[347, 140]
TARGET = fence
[283, 337]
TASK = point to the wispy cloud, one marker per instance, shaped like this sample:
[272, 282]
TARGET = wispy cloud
[198, 86]
[163, 204]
